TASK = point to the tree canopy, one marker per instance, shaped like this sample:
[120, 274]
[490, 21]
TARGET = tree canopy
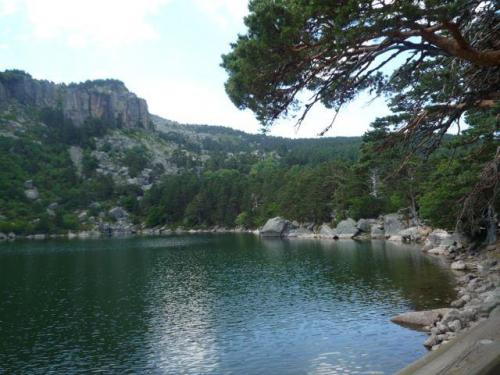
[435, 59]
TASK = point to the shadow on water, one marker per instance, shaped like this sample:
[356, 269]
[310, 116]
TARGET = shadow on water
[212, 304]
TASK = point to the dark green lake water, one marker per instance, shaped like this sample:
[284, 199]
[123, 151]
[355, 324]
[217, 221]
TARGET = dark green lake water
[214, 304]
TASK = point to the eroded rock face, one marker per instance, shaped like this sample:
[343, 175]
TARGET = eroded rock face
[107, 100]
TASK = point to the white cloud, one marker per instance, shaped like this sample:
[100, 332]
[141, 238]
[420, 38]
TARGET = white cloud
[8, 7]
[93, 22]
[225, 13]
[110, 23]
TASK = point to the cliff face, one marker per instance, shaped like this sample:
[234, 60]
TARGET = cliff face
[108, 100]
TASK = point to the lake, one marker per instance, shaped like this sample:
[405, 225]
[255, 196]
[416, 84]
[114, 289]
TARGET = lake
[213, 304]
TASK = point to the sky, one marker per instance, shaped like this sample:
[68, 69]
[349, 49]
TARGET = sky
[166, 51]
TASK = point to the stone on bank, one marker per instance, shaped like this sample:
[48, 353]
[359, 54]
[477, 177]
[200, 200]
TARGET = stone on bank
[347, 229]
[276, 227]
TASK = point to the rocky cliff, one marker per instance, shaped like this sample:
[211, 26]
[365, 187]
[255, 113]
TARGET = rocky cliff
[108, 100]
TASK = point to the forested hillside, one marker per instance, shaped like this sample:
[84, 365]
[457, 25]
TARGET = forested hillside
[58, 175]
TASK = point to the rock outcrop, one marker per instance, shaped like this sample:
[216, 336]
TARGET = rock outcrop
[107, 100]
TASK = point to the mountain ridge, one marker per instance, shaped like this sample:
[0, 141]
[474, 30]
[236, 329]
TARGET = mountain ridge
[108, 100]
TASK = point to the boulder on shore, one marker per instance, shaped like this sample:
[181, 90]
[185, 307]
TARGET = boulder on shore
[364, 225]
[393, 225]
[275, 227]
[377, 232]
[327, 232]
[420, 319]
[439, 238]
[347, 229]
[414, 234]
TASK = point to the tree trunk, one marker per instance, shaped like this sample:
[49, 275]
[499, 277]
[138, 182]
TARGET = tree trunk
[491, 226]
